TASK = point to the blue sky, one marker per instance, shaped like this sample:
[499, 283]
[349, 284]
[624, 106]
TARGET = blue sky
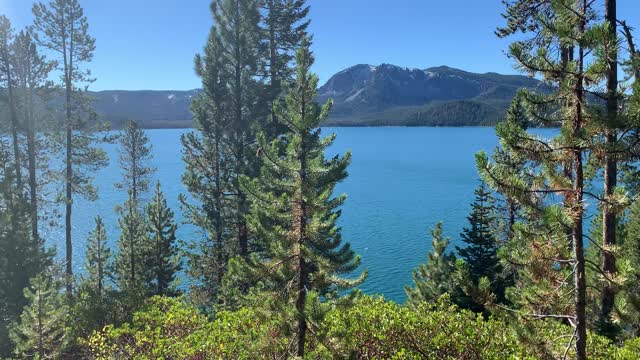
[149, 44]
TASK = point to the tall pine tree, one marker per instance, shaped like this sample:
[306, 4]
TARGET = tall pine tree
[8, 77]
[283, 25]
[551, 248]
[62, 28]
[295, 210]
[237, 25]
[34, 89]
[208, 174]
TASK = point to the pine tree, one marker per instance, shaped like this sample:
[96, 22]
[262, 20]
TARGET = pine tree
[630, 254]
[227, 117]
[20, 257]
[62, 28]
[42, 330]
[294, 210]
[97, 265]
[132, 251]
[509, 208]
[95, 305]
[550, 248]
[208, 174]
[610, 133]
[7, 76]
[433, 278]
[163, 261]
[237, 26]
[135, 153]
[283, 25]
[481, 251]
[32, 72]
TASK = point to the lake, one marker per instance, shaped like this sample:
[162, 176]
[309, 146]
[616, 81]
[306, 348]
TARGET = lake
[401, 182]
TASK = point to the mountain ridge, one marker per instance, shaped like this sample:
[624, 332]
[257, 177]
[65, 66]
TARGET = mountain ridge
[363, 95]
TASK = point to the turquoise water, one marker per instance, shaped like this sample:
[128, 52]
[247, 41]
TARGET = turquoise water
[402, 182]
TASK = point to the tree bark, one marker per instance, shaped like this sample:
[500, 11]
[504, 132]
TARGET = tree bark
[14, 118]
[610, 171]
[302, 266]
[578, 209]
[33, 182]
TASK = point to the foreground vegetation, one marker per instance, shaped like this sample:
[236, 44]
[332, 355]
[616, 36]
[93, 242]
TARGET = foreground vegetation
[271, 276]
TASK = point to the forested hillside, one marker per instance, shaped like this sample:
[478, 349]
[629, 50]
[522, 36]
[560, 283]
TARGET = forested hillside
[367, 95]
[268, 273]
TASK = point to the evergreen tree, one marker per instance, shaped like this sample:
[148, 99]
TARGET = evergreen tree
[435, 277]
[610, 160]
[208, 174]
[20, 257]
[163, 261]
[237, 26]
[97, 264]
[62, 28]
[550, 248]
[7, 76]
[32, 72]
[294, 210]
[630, 254]
[42, 330]
[283, 25]
[509, 208]
[132, 251]
[481, 251]
[135, 153]
[95, 306]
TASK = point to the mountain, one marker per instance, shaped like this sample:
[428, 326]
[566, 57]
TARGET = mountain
[437, 96]
[151, 109]
[364, 95]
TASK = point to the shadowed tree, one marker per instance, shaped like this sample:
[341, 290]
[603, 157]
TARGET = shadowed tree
[32, 72]
[62, 28]
[42, 332]
[7, 76]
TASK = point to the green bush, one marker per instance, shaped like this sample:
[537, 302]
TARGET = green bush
[371, 328]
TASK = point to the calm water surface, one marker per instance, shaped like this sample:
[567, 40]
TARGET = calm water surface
[402, 182]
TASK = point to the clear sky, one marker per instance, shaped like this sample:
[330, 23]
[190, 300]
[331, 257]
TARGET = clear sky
[149, 44]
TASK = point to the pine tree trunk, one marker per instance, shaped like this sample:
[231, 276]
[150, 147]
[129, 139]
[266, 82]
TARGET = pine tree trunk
[300, 304]
[578, 248]
[301, 212]
[240, 156]
[68, 71]
[218, 200]
[578, 211]
[100, 269]
[69, 197]
[33, 182]
[302, 267]
[610, 172]
[132, 257]
[273, 59]
[14, 125]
